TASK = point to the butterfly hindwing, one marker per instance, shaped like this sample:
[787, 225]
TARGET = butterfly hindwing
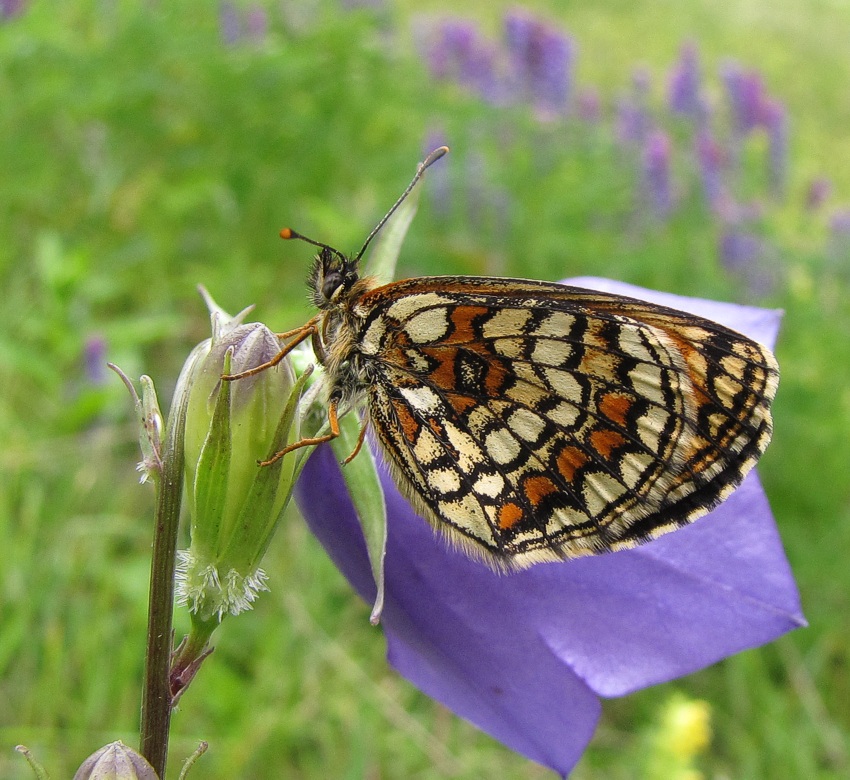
[534, 421]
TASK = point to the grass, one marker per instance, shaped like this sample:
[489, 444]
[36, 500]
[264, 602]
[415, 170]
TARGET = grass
[141, 156]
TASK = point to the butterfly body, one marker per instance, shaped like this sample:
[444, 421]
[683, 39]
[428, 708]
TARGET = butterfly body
[531, 421]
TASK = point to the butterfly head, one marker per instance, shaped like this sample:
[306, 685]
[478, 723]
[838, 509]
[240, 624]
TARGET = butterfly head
[332, 276]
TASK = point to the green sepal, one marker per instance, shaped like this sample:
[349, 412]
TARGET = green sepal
[266, 489]
[213, 469]
[367, 495]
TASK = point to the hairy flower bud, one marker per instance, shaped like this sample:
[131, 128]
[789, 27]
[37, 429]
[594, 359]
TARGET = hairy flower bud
[234, 503]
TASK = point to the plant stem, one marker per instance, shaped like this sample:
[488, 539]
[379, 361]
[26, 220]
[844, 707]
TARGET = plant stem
[156, 696]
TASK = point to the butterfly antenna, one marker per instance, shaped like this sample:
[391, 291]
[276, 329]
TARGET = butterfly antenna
[289, 233]
[423, 166]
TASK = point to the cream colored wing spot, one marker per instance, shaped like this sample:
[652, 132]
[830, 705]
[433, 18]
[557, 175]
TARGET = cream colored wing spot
[422, 398]
[490, 484]
[526, 424]
[505, 322]
[405, 307]
[428, 326]
[501, 446]
[557, 324]
[549, 352]
[443, 480]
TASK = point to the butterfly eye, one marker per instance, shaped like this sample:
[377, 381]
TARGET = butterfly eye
[331, 283]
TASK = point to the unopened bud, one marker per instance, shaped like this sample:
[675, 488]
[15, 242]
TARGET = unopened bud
[115, 761]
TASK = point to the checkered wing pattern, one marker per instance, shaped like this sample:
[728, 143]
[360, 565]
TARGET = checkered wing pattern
[533, 421]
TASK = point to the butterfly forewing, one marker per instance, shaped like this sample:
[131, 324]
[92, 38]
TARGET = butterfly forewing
[533, 421]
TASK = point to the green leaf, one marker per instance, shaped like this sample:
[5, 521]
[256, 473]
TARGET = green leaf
[386, 246]
[367, 495]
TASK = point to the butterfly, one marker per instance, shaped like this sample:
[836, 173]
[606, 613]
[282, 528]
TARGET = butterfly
[530, 421]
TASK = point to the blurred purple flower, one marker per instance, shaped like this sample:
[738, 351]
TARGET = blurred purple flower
[589, 106]
[633, 120]
[839, 242]
[526, 656]
[542, 62]
[455, 51]
[739, 248]
[683, 91]
[775, 119]
[746, 95]
[94, 359]
[818, 193]
[657, 183]
[253, 27]
[710, 160]
[10, 8]
[229, 23]
[257, 24]
[746, 254]
[839, 224]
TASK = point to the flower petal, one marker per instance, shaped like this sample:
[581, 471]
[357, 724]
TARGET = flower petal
[455, 629]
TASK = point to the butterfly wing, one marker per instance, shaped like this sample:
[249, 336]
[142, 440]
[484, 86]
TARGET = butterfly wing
[532, 421]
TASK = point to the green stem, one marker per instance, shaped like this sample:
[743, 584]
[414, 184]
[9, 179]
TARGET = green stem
[156, 695]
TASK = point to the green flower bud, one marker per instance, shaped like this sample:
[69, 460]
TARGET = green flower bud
[234, 503]
[115, 762]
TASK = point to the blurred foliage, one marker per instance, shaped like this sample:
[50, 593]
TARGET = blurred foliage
[144, 150]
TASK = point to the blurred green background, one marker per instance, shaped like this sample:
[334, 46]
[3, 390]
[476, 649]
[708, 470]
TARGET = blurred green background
[149, 147]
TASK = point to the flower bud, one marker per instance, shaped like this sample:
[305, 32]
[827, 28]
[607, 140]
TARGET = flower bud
[115, 762]
[234, 503]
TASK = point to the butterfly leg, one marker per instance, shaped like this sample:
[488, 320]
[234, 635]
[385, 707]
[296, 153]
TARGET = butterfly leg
[333, 421]
[300, 334]
[357, 447]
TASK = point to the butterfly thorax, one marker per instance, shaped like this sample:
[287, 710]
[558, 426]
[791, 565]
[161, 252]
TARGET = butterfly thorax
[335, 289]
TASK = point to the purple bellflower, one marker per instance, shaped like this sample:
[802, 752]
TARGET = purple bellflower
[527, 656]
